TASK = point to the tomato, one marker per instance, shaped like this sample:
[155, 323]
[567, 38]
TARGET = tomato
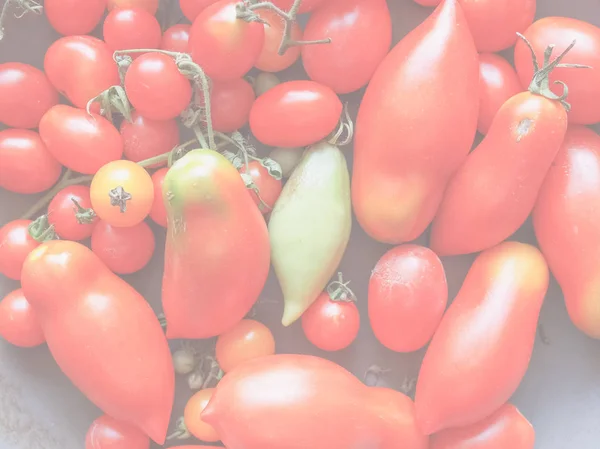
[565, 220]
[401, 167]
[156, 88]
[281, 401]
[103, 335]
[506, 428]
[158, 212]
[223, 45]
[67, 212]
[247, 340]
[408, 294]
[71, 17]
[305, 6]
[19, 324]
[15, 245]
[26, 165]
[109, 433]
[25, 95]
[484, 343]
[122, 193]
[149, 5]
[192, 8]
[498, 81]
[266, 189]
[213, 224]
[231, 102]
[191, 416]
[131, 28]
[144, 138]
[295, 114]
[78, 140]
[428, 2]
[81, 67]
[269, 59]
[176, 38]
[361, 35]
[584, 84]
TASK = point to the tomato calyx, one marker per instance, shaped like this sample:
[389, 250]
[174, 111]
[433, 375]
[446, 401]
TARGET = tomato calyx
[41, 230]
[338, 290]
[23, 7]
[112, 100]
[119, 197]
[83, 215]
[345, 128]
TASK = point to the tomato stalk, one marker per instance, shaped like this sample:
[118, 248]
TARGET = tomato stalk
[41, 230]
[346, 126]
[24, 6]
[338, 290]
[83, 215]
[113, 99]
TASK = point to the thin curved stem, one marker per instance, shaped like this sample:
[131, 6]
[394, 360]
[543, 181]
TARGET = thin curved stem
[25, 5]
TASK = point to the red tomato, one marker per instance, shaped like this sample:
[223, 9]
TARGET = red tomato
[305, 6]
[231, 102]
[176, 38]
[71, 17]
[158, 212]
[192, 8]
[62, 213]
[566, 220]
[269, 59]
[156, 88]
[247, 340]
[269, 188]
[103, 335]
[361, 35]
[506, 428]
[193, 423]
[15, 245]
[144, 138]
[149, 5]
[223, 45]
[428, 2]
[584, 84]
[481, 350]
[25, 95]
[79, 141]
[109, 433]
[26, 165]
[295, 114]
[19, 324]
[81, 67]
[130, 28]
[498, 81]
[408, 294]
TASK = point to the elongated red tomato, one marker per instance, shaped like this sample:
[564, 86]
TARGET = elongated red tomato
[401, 167]
[103, 335]
[565, 220]
[584, 84]
[482, 348]
[109, 433]
[192, 8]
[131, 28]
[506, 428]
[15, 245]
[71, 17]
[70, 213]
[176, 38]
[361, 35]
[295, 114]
[19, 324]
[144, 138]
[305, 6]
[231, 102]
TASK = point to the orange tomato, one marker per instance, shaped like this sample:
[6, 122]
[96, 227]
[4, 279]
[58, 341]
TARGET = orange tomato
[270, 60]
[248, 340]
[191, 416]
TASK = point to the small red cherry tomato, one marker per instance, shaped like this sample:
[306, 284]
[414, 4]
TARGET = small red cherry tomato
[269, 59]
[231, 102]
[176, 38]
[191, 415]
[131, 28]
[26, 165]
[158, 212]
[156, 88]
[79, 141]
[265, 185]
[108, 433]
[223, 45]
[248, 340]
[149, 5]
[192, 8]
[15, 246]
[70, 213]
[19, 324]
[144, 138]
[295, 114]
[306, 6]
[25, 95]
[74, 17]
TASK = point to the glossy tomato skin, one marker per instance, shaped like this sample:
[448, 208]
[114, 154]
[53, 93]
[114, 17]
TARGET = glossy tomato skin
[270, 60]
[401, 167]
[361, 35]
[26, 165]
[494, 191]
[269, 188]
[176, 38]
[74, 17]
[192, 416]
[62, 212]
[149, 5]
[506, 428]
[158, 212]
[109, 433]
[19, 324]
[565, 222]
[15, 245]
[79, 141]
[25, 95]
[408, 295]
[131, 28]
[86, 313]
[231, 102]
[80, 67]
[306, 6]
[584, 84]
[223, 45]
[144, 138]
[481, 350]
[192, 8]
[247, 340]
[295, 114]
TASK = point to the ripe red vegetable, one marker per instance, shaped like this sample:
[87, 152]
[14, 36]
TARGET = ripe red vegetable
[149, 5]
[15, 245]
[176, 38]
[74, 17]
[269, 188]
[67, 212]
[158, 212]
[192, 8]
[247, 340]
[109, 433]
[144, 138]
[270, 60]
[305, 6]
[231, 102]
[19, 324]
[129, 28]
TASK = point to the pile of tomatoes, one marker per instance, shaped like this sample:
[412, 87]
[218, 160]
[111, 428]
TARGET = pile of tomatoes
[158, 121]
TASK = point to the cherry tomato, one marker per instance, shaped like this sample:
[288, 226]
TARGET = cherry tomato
[80, 67]
[69, 213]
[156, 88]
[268, 187]
[15, 246]
[248, 340]
[25, 95]
[191, 415]
[79, 141]
[19, 324]
[149, 5]
[231, 102]
[192, 8]
[109, 433]
[306, 6]
[26, 165]
[144, 138]
[176, 38]
[131, 28]
[158, 212]
[73, 17]
[269, 59]
[223, 45]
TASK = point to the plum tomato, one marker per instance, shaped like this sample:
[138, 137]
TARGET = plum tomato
[231, 102]
[158, 212]
[306, 6]
[144, 138]
[248, 340]
[19, 325]
[149, 5]
[74, 17]
[176, 38]
[269, 59]
[192, 8]
[267, 186]
[191, 415]
[70, 213]
[108, 433]
[15, 246]
[131, 28]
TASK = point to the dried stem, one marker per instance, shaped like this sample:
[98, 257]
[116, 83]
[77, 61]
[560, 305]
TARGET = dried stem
[24, 6]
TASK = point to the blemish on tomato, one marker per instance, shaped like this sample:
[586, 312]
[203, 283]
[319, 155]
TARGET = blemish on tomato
[523, 128]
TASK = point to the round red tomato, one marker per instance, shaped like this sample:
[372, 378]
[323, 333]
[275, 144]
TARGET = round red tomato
[192, 8]
[19, 325]
[71, 17]
[194, 424]
[25, 95]
[69, 212]
[156, 88]
[176, 38]
[248, 340]
[149, 5]
[223, 45]
[26, 165]
[158, 212]
[231, 102]
[15, 246]
[108, 433]
[131, 28]
[268, 187]
[269, 59]
[306, 6]
[295, 114]
[144, 138]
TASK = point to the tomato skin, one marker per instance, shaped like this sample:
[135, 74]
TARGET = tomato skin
[62, 210]
[109, 433]
[192, 8]
[306, 6]
[506, 428]
[176, 38]
[74, 17]
[269, 59]
[295, 114]
[149, 5]
[25, 95]
[269, 188]
[130, 28]
[398, 161]
[86, 313]
[144, 138]
[408, 294]
[247, 340]
[191, 415]
[231, 102]
[80, 67]
[494, 191]
[428, 2]
[484, 342]
[158, 212]
[15, 245]
[361, 35]
[19, 324]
